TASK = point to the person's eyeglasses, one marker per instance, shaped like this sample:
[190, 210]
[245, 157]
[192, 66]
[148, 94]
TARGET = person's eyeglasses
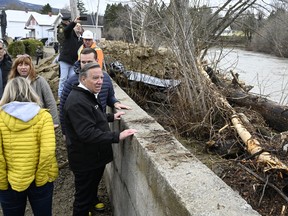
[86, 62]
[24, 56]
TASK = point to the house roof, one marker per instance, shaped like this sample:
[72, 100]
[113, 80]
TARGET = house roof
[43, 19]
[18, 16]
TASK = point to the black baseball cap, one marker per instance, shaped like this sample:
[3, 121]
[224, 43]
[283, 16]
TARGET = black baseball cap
[66, 18]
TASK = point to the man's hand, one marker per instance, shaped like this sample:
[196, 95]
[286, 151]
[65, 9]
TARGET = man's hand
[77, 20]
[118, 105]
[117, 116]
[129, 132]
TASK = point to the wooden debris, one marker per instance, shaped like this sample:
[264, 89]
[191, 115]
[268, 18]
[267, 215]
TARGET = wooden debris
[253, 146]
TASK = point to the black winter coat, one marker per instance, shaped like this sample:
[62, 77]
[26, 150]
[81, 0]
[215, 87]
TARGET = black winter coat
[88, 136]
[68, 51]
[5, 65]
[106, 95]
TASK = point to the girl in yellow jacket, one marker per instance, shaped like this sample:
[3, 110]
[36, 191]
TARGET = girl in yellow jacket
[28, 164]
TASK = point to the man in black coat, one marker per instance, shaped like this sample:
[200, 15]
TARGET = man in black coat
[88, 137]
[5, 66]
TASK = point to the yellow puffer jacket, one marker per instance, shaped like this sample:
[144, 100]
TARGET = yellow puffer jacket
[27, 151]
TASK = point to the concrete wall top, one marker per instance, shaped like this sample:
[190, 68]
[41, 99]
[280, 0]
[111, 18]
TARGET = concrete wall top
[159, 176]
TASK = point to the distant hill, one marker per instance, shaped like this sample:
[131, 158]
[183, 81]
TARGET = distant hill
[19, 5]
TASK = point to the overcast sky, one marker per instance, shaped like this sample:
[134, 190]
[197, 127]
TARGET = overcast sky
[91, 5]
[88, 3]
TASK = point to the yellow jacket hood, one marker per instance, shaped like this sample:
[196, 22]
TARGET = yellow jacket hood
[21, 115]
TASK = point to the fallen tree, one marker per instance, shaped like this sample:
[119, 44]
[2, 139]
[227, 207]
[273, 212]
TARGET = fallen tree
[241, 124]
[275, 115]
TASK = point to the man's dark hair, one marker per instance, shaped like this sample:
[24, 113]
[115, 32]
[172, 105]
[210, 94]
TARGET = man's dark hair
[89, 50]
[86, 67]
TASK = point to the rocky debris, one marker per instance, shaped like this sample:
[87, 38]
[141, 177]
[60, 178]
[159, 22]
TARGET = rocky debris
[159, 63]
[50, 71]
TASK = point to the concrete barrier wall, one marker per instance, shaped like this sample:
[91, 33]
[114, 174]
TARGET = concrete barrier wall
[154, 175]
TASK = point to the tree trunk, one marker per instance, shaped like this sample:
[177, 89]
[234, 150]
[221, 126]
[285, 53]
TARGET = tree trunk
[253, 146]
[275, 115]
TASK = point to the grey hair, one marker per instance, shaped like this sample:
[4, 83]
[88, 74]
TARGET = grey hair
[19, 89]
[86, 68]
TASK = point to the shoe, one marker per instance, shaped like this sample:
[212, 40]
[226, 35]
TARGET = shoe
[99, 207]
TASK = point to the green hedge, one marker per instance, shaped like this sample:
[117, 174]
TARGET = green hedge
[28, 46]
[16, 48]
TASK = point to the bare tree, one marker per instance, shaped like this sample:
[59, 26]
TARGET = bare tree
[272, 34]
[199, 107]
[190, 29]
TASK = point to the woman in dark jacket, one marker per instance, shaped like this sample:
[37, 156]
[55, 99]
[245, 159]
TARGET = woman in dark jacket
[68, 51]
[5, 66]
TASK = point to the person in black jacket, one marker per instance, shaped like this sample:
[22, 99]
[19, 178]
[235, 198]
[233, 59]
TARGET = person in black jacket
[39, 54]
[68, 51]
[106, 95]
[5, 66]
[88, 137]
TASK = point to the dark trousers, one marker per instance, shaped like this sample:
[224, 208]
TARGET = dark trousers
[13, 203]
[86, 190]
[37, 59]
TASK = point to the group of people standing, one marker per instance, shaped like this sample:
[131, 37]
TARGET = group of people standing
[29, 116]
[28, 165]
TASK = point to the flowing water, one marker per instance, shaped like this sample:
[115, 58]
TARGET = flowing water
[268, 74]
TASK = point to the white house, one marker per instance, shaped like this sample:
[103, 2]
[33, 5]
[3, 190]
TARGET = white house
[40, 26]
[16, 21]
[232, 32]
[27, 24]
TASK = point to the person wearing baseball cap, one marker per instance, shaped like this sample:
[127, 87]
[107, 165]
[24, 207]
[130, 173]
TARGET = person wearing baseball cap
[88, 42]
[68, 51]
[66, 18]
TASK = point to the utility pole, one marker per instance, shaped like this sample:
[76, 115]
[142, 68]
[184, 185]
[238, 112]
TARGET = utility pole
[74, 10]
[96, 21]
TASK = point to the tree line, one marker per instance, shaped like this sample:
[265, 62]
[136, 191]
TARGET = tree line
[263, 29]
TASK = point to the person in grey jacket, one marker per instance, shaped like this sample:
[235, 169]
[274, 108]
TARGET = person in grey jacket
[23, 66]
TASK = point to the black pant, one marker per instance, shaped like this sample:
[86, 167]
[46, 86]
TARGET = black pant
[37, 59]
[86, 189]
